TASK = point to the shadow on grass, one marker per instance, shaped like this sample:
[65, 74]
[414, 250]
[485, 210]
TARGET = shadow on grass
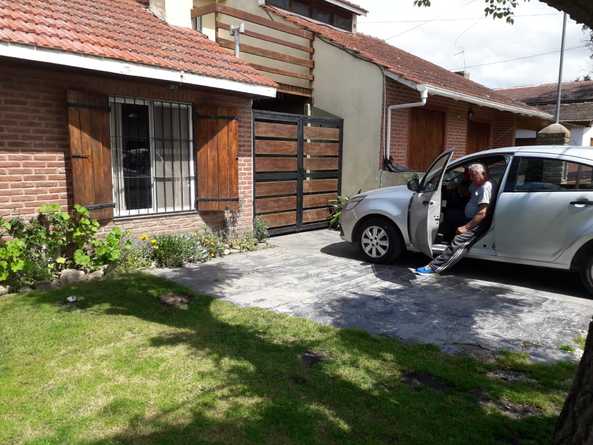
[357, 396]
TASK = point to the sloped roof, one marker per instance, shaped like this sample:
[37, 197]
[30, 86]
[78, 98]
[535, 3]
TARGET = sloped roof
[119, 30]
[579, 10]
[580, 91]
[401, 63]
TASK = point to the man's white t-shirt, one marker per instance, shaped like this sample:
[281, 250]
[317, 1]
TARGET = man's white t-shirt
[478, 196]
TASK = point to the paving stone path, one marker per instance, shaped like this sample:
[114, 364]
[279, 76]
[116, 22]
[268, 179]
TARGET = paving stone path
[481, 307]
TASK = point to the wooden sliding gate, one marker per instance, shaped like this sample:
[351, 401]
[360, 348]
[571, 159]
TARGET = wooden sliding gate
[297, 165]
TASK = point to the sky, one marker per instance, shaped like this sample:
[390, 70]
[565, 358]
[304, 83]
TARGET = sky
[456, 34]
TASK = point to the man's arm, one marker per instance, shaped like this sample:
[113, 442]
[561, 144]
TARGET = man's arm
[477, 219]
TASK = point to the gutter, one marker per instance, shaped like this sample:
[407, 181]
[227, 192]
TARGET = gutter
[438, 91]
[423, 99]
[102, 64]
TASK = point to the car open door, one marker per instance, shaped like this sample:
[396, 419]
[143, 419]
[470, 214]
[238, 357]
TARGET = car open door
[425, 206]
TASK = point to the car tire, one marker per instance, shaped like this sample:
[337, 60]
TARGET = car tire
[586, 273]
[379, 241]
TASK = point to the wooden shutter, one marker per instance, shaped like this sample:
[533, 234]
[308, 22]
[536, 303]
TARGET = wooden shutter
[217, 153]
[427, 137]
[90, 153]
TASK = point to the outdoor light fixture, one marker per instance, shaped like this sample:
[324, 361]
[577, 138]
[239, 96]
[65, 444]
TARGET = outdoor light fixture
[470, 115]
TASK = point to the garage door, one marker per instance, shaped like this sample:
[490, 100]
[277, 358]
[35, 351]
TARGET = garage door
[297, 166]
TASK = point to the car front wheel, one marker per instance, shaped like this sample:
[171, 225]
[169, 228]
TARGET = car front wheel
[379, 241]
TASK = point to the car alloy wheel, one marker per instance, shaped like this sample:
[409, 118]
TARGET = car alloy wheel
[375, 241]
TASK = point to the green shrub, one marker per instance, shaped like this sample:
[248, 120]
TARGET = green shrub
[336, 211]
[260, 230]
[39, 249]
[212, 243]
[176, 250]
[135, 255]
[244, 243]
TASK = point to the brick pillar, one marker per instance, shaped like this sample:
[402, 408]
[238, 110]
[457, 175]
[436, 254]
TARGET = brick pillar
[555, 134]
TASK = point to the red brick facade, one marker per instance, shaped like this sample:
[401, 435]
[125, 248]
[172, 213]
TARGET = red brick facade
[34, 167]
[503, 124]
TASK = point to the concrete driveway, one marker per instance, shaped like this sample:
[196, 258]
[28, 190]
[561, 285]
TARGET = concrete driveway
[480, 308]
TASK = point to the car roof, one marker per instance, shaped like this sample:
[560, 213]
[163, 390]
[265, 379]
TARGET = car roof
[564, 150]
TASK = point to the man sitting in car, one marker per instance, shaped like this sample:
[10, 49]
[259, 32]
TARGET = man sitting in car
[476, 211]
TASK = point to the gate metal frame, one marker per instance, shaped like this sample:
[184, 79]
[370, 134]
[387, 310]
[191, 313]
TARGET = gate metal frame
[301, 175]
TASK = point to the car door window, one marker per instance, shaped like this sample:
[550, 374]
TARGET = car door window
[495, 166]
[549, 175]
[432, 178]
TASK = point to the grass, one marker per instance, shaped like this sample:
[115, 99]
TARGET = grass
[124, 369]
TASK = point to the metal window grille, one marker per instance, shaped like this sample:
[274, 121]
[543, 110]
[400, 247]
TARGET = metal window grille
[152, 156]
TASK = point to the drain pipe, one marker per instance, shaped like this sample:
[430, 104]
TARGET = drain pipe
[423, 98]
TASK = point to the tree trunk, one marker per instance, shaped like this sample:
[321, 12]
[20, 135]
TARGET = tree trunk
[575, 425]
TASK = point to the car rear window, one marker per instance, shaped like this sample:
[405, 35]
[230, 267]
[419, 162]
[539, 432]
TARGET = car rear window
[548, 175]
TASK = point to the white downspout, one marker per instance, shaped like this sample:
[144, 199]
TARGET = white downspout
[423, 98]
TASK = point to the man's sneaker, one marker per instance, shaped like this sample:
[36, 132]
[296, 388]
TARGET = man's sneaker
[424, 271]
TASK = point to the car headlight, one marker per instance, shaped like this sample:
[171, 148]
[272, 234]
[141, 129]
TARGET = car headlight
[352, 203]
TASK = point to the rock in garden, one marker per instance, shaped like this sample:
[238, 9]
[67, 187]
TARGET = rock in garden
[47, 285]
[68, 276]
[95, 275]
[3, 290]
[176, 300]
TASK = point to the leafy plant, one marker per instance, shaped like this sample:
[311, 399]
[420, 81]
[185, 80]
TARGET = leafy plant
[212, 243]
[176, 250]
[135, 255]
[53, 241]
[245, 243]
[260, 230]
[336, 211]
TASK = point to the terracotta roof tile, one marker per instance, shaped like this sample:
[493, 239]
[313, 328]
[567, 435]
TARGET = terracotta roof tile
[119, 29]
[399, 62]
[546, 93]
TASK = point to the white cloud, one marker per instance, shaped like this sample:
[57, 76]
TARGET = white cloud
[454, 43]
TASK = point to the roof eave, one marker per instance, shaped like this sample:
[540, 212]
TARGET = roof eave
[351, 8]
[113, 66]
[438, 91]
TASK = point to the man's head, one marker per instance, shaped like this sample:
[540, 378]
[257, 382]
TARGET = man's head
[477, 174]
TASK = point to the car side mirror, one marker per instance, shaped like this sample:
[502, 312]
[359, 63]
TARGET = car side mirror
[414, 184]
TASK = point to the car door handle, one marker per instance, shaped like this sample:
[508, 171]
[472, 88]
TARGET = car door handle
[581, 203]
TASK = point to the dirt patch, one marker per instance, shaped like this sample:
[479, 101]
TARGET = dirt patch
[418, 380]
[175, 300]
[311, 358]
[506, 407]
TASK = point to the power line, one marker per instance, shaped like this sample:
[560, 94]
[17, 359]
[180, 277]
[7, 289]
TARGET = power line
[522, 58]
[451, 19]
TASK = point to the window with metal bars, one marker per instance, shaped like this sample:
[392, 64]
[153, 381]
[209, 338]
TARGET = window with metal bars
[152, 157]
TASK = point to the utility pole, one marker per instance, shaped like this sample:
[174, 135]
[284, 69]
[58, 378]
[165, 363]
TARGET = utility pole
[559, 92]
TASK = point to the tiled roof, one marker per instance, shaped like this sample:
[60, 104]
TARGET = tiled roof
[546, 93]
[399, 62]
[122, 30]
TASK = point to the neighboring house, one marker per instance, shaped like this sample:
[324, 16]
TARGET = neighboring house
[576, 111]
[104, 104]
[312, 49]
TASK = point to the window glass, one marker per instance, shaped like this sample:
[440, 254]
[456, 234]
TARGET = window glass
[322, 15]
[432, 178]
[151, 156]
[343, 22]
[549, 175]
[495, 166]
[284, 4]
[301, 7]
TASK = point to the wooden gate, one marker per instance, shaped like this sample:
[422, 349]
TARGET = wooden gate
[297, 165]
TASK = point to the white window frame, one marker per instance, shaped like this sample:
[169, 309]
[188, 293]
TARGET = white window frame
[117, 166]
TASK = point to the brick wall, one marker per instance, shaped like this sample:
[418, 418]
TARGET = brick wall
[34, 169]
[457, 115]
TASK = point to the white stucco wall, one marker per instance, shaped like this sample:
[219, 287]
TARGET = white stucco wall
[178, 12]
[352, 89]
[581, 136]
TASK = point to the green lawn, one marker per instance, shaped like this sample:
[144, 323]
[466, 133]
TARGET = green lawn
[123, 368]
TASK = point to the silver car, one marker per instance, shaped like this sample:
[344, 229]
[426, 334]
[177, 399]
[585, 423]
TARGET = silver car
[542, 214]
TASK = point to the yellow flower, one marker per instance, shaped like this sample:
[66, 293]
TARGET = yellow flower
[153, 242]
[144, 237]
